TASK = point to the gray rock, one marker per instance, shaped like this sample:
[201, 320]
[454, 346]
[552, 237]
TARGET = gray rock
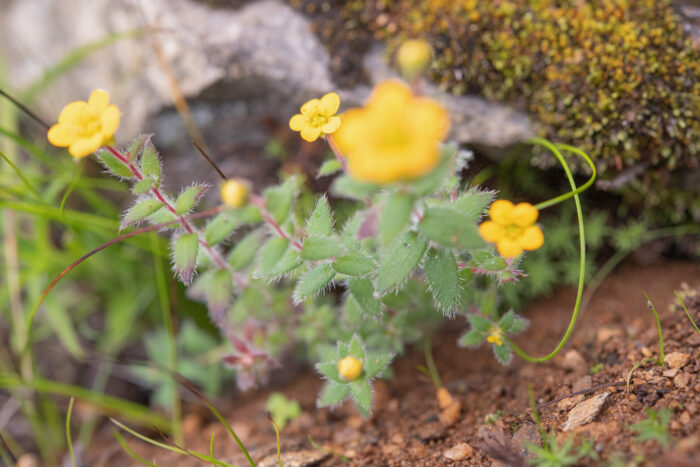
[585, 411]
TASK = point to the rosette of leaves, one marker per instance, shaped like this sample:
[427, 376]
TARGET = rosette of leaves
[482, 327]
[337, 388]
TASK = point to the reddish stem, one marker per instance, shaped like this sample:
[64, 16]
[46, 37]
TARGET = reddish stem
[336, 151]
[262, 205]
[190, 228]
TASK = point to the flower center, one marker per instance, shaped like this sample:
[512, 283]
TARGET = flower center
[319, 120]
[513, 231]
[89, 125]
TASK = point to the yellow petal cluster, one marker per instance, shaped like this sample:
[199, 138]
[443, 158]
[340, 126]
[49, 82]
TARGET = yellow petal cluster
[495, 337]
[234, 192]
[317, 118]
[394, 137]
[512, 228]
[85, 126]
[350, 368]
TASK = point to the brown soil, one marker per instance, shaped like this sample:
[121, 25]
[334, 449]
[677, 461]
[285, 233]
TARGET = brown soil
[616, 330]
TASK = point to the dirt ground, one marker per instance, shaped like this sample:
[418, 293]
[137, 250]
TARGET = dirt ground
[617, 330]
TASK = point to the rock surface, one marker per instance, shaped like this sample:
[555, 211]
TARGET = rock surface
[236, 66]
[585, 411]
[677, 359]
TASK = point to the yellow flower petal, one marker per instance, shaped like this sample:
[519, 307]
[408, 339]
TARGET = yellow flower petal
[297, 122]
[508, 248]
[524, 214]
[310, 108]
[332, 125]
[329, 104]
[500, 211]
[310, 133]
[98, 101]
[86, 146]
[73, 112]
[490, 231]
[110, 121]
[63, 134]
[432, 119]
[532, 238]
[348, 135]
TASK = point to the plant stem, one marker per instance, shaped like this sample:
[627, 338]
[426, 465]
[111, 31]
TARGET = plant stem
[582, 243]
[336, 151]
[658, 328]
[262, 206]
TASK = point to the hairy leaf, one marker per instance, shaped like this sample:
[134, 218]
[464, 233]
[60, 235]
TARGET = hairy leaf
[354, 264]
[450, 228]
[185, 256]
[321, 220]
[399, 261]
[395, 216]
[313, 281]
[362, 291]
[188, 198]
[114, 165]
[150, 163]
[140, 211]
[443, 277]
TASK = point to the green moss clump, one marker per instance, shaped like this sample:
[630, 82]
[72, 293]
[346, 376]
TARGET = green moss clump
[616, 77]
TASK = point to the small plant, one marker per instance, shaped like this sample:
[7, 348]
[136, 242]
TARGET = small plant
[411, 247]
[552, 454]
[282, 410]
[655, 427]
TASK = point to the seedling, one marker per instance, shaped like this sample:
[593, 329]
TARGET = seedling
[655, 427]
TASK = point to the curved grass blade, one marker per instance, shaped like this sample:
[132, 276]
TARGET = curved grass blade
[21, 175]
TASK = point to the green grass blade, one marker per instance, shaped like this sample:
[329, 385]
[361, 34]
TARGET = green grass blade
[106, 404]
[120, 439]
[31, 148]
[686, 311]
[69, 439]
[74, 58]
[658, 328]
[20, 175]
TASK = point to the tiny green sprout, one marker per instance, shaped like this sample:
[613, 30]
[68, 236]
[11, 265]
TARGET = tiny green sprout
[282, 410]
[492, 417]
[655, 427]
[552, 454]
[597, 368]
[494, 333]
[350, 374]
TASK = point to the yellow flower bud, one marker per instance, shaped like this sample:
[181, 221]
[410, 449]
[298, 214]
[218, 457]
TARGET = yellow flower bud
[350, 368]
[414, 58]
[234, 192]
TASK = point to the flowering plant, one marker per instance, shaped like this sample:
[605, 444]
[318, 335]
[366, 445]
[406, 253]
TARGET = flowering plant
[408, 247]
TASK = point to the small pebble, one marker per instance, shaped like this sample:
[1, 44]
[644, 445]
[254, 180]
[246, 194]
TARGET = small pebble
[458, 452]
[670, 373]
[606, 333]
[573, 361]
[681, 380]
[585, 412]
[677, 359]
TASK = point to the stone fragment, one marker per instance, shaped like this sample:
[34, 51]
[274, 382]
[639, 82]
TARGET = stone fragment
[306, 458]
[528, 433]
[573, 361]
[585, 411]
[677, 359]
[458, 452]
[681, 380]
[606, 333]
[582, 384]
[670, 373]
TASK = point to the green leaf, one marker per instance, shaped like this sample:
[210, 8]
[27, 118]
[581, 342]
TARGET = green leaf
[114, 165]
[136, 146]
[362, 291]
[188, 198]
[376, 363]
[443, 277]
[163, 215]
[279, 199]
[473, 203]
[471, 338]
[395, 216]
[479, 323]
[488, 260]
[275, 264]
[329, 370]
[355, 348]
[220, 291]
[354, 264]
[142, 186]
[502, 353]
[450, 228]
[140, 211]
[185, 256]
[362, 395]
[511, 323]
[321, 220]
[313, 282]
[347, 187]
[333, 393]
[150, 163]
[245, 250]
[329, 167]
[271, 254]
[399, 261]
[316, 248]
[220, 227]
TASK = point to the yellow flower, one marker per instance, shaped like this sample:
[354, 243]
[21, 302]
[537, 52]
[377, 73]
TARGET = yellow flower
[85, 126]
[413, 57]
[350, 368]
[496, 336]
[234, 192]
[394, 137]
[512, 228]
[317, 117]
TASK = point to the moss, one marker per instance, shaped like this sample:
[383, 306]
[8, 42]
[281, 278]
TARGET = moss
[617, 78]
